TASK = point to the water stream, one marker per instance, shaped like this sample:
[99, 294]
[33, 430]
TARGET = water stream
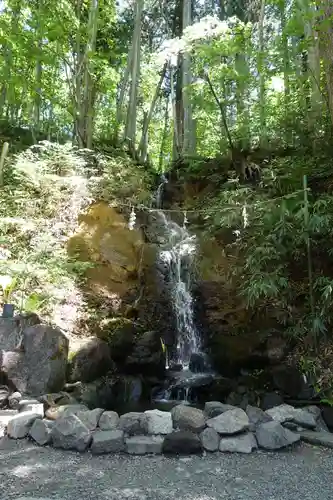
[188, 368]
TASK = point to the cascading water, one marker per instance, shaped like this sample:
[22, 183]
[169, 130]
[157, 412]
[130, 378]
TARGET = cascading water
[176, 256]
[178, 259]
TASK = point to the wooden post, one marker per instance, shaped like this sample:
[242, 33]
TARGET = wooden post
[2, 160]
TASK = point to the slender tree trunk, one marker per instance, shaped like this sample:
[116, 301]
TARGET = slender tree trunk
[326, 46]
[122, 92]
[151, 110]
[130, 129]
[189, 129]
[286, 68]
[262, 89]
[164, 136]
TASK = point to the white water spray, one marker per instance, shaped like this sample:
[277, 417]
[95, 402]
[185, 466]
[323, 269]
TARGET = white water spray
[177, 255]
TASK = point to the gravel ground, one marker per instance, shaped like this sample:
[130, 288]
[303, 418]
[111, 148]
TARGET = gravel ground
[31, 473]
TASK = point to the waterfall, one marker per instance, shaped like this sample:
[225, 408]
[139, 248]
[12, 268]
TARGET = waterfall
[176, 256]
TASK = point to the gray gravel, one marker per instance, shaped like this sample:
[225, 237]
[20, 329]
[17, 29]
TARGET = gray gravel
[31, 473]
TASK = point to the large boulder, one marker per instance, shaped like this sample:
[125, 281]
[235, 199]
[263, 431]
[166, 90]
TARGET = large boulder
[133, 423]
[272, 436]
[292, 382]
[147, 356]
[243, 443]
[107, 441]
[230, 422]
[282, 413]
[320, 423]
[257, 416]
[92, 361]
[40, 431]
[158, 422]
[210, 439]
[182, 443]
[11, 330]
[143, 445]
[188, 418]
[69, 433]
[109, 421]
[41, 363]
[215, 408]
[5, 417]
[18, 426]
[90, 418]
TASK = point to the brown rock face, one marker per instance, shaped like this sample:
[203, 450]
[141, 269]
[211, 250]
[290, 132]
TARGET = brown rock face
[103, 238]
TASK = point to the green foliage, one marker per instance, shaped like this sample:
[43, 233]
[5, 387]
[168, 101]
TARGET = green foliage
[269, 235]
[46, 189]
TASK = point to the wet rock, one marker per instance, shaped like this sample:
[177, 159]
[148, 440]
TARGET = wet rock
[215, 408]
[244, 443]
[188, 418]
[92, 361]
[54, 413]
[182, 443]
[18, 426]
[270, 400]
[210, 439]
[90, 418]
[14, 399]
[198, 363]
[158, 422]
[109, 421]
[282, 413]
[111, 441]
[257, 416]
[4, 395]
[133, 423]
[40, 431]
[272, 436]
[143, 445]
[230, 422]
[69, 433]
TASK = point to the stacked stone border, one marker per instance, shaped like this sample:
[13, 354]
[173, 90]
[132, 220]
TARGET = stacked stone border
[184, 430]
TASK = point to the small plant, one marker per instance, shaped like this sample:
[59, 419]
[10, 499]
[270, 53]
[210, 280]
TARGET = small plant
[7, 284]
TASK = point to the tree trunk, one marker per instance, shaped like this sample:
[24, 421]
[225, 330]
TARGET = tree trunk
[326, 45]
[130, 129]
[262, 89]
[188, 123]
[151, 111]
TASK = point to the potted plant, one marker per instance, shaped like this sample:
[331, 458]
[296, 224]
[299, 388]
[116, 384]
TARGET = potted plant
[7, 284]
